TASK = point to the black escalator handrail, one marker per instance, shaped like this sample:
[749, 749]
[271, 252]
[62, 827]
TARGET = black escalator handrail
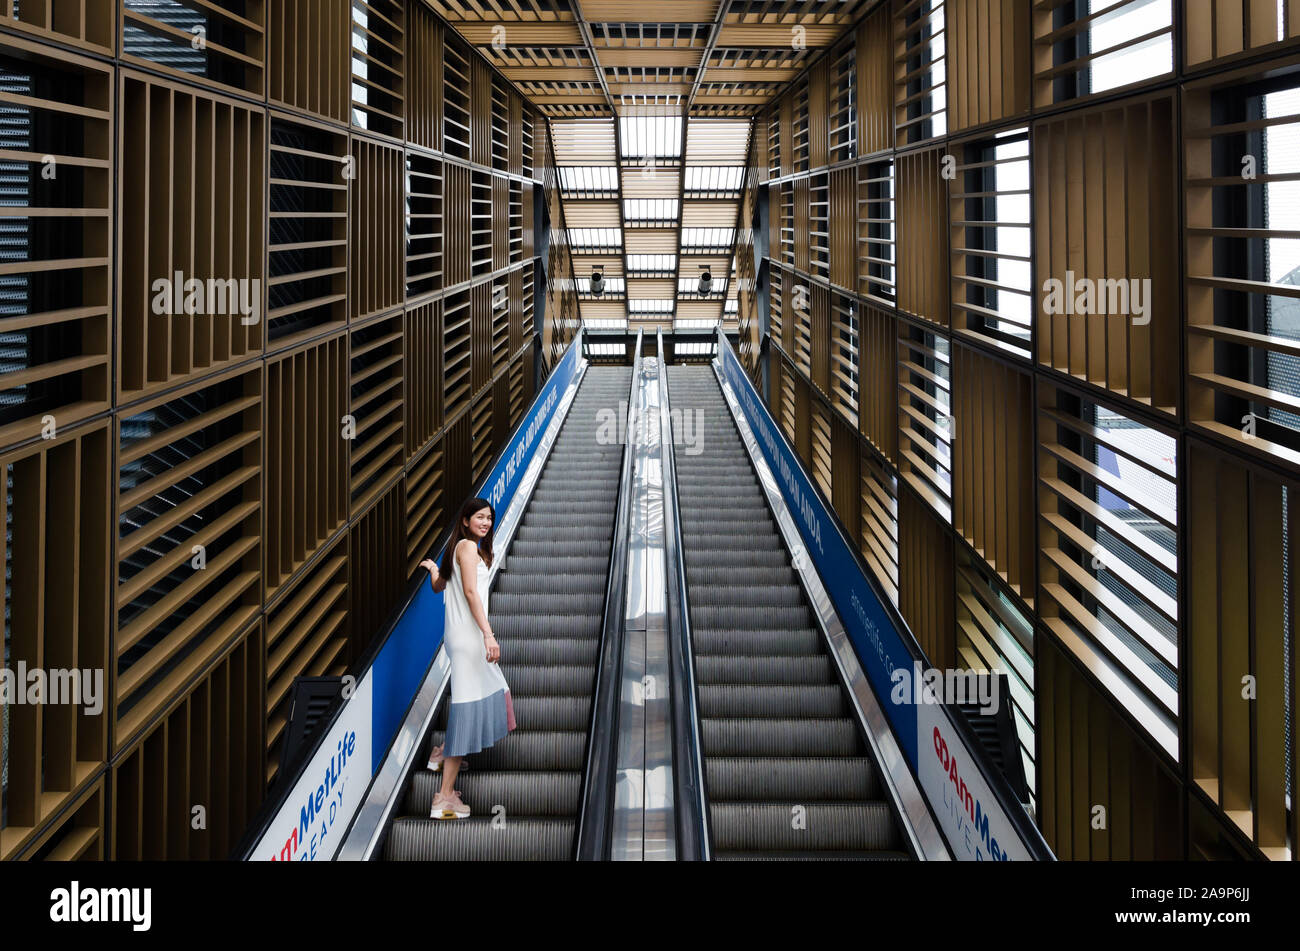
[596, 816]
[1030, 835]
[271, 805]
[690, 802]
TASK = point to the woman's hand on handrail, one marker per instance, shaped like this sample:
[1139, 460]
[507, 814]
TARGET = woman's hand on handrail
[435, 579]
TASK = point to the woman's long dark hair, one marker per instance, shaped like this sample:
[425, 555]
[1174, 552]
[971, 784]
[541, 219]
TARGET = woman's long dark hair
[458, 532]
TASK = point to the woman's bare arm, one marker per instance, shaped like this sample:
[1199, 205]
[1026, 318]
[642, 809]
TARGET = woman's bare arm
[436, 580]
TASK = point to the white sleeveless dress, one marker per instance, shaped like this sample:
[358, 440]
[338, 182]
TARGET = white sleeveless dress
[481, 710]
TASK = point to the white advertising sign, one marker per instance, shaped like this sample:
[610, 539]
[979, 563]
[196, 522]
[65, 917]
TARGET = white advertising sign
[976, 827]
[310, 825]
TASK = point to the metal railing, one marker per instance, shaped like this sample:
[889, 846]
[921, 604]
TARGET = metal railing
[595, 819]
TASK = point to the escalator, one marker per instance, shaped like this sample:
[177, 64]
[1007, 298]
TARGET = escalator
[547, 608]
[787, 771]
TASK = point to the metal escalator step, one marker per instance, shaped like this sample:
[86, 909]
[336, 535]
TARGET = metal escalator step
[773, 736]
[566, 541]
[745, 615]
[508, 628]
[538, 712]
[798, 826]
[525, 565]
[519, 793]
[796, 778]
[577, 520]
[755, 593]
[774, 700]
[717, 451]
[557, 548]
[722, 469]
[747, 576]
[767, 643]
[729, 507]
[802, 670]
[562, 581]
[700, 554]
[567, 538]
[476, 839]
[598, 495]
[709, 540]
[723, 523]
[819, 856]
[551, 650]
[526, 749]
[580, 469]
[553, 713]
[544, 602]
[545, 679]
[565, 507]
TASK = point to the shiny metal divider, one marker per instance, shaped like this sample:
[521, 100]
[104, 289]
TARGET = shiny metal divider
[387, 787]
[596, 820]
[916, 820]
[692, 812]
[644, 828]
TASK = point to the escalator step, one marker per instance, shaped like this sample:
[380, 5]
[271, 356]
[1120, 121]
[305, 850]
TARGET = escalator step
[758, 669]
[517, 564]
[778, 736]
[523, 794]
[777, 700]
[561, 582]
[797, 778]
[771, 826]
[821, 856]
[548, 602]
[699, 553]
[550, 625]
[476, 839]
[769, 643]
[548, 679]
[545, 651]
[757, 593]
[747, 615]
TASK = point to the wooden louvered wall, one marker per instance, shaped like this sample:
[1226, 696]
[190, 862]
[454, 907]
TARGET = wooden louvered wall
[204, 502]
[1098, 503]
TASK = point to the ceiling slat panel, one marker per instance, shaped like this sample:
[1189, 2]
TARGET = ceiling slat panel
[717, 142]
[650, 57]
[584, 142]
[591, 214]
[646, 241]
[708, 214]
[649, 288]
[664, 11]
[777, 34]
[602, 309]
[661, 183]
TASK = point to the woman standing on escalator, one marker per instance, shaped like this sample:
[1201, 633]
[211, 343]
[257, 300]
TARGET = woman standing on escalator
[481, 711]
